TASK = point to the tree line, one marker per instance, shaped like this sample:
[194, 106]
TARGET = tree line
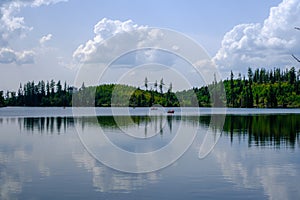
[264, 88]
[43, 93]
[261, 88]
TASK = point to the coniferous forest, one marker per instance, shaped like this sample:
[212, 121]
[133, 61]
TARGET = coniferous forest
[259, 88]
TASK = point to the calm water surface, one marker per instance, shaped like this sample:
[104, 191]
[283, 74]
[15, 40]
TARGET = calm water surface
[256, 157]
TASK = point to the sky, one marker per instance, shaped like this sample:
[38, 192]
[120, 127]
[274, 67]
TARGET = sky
[56, 39]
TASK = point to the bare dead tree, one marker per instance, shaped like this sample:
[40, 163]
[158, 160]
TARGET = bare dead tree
[295, 58]
[297, 28]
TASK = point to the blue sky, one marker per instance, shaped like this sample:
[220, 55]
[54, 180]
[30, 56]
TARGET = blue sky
[205, 21]
[232, 32]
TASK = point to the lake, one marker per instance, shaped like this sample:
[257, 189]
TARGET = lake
[47, 153]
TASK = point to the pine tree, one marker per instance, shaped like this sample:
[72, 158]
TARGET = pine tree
[146, 83]
[232, 94]
[48, 89]
[161, 85]
[52, 87]
[58, 88]
[170, 88]
[250, 75]
[1, 99]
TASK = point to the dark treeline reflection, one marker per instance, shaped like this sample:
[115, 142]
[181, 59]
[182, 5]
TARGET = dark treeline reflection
[264, 130]
[60, 124]
[46, 124]
[260, 130]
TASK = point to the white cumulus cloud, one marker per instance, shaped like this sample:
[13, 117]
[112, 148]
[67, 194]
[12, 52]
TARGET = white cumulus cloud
[270, 43]
[10, 56]
[127, 32]
[13, 26]
[121, 46]
[114, 36]
[45, 39]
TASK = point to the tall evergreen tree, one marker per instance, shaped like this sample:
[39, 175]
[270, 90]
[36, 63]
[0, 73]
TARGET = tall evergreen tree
[58, 88]
[250, 75]
[43, 90]
[65, 87]
[1, 99]
[48, 89]
[161, 84]
[232, 92]
[170, 88]
[146, 83]
[292, 76]
[52, 87]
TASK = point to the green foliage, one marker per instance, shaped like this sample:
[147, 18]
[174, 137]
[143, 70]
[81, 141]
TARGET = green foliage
[272, 89]
[40, 94]
[262, 88]
[1, 99]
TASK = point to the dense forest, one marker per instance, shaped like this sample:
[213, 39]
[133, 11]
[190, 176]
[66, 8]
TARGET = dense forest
[261, 88]
[40, 94]
[264, 88]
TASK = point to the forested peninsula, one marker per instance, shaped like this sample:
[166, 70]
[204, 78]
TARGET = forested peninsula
[261, 88]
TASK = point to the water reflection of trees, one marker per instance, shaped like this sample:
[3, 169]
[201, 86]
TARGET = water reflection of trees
[61, 124]
[46, 124]
[263, 130]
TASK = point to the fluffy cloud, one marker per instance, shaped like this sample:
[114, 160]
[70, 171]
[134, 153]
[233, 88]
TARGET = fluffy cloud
[124, 47]
[10, 56]
[114, 36]
[10, 22]
[268, 44]
[12, 27]
[141, 44]
[127, 32]
[45, 39]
